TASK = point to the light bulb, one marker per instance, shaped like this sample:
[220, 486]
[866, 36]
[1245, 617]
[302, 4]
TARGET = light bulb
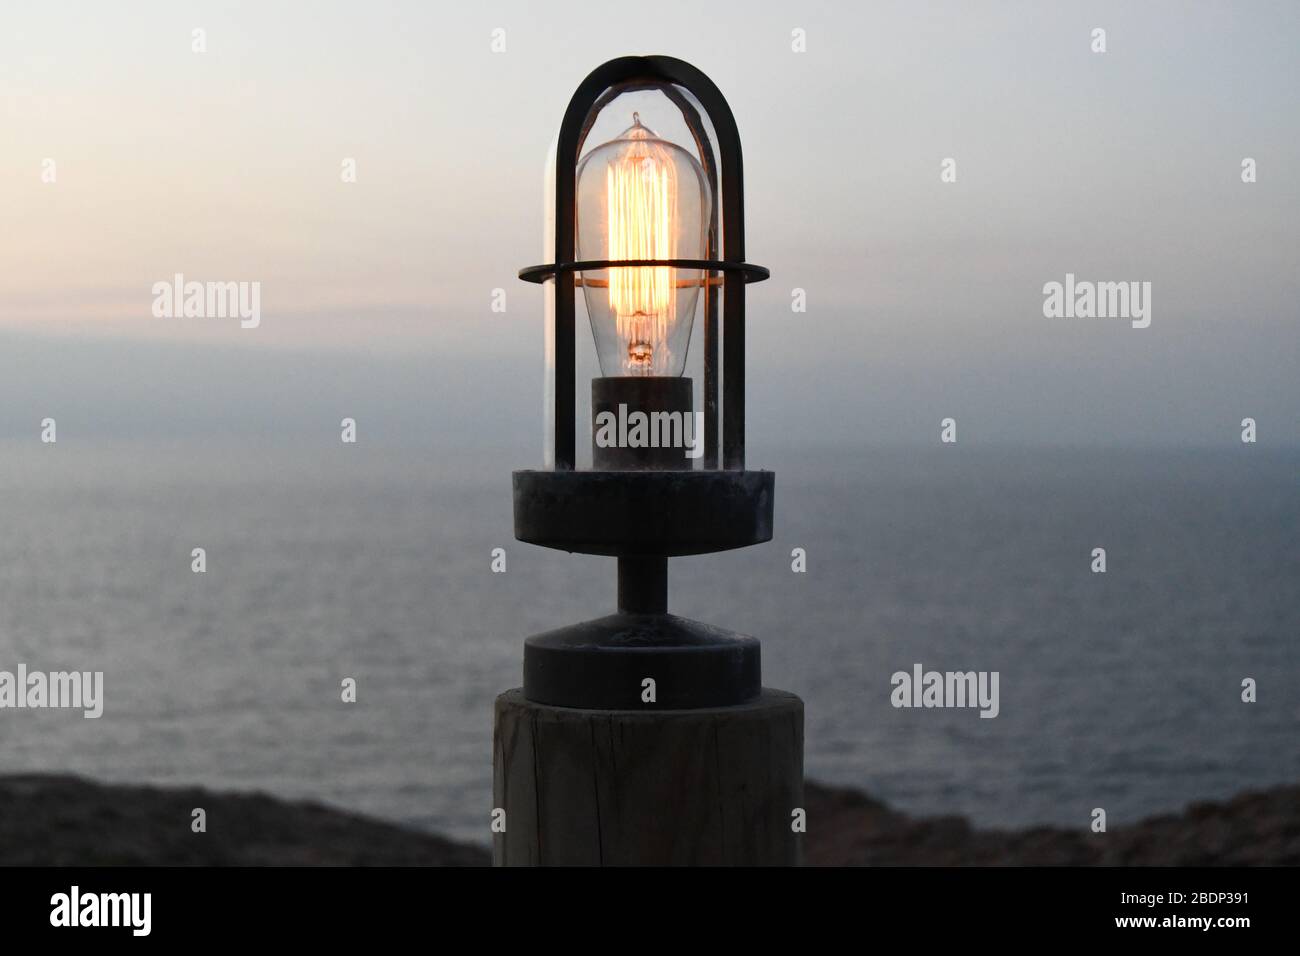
[641, 197]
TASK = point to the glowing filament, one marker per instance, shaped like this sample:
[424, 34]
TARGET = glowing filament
[640, 191]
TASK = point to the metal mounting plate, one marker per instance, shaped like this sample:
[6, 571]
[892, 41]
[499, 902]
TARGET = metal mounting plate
[649, 513]
[603, 664]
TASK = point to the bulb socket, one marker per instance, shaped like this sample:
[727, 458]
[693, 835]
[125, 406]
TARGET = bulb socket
[643, 423]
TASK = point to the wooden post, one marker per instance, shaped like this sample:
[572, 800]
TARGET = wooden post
[716, 786]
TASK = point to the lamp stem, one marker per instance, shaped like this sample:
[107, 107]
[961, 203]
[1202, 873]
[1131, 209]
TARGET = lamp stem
[643, 585]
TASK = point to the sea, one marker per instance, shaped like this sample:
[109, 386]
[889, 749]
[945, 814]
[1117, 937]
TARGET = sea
[1120, 689]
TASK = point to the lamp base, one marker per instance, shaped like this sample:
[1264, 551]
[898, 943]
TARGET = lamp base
[641, 662]
[643, 512]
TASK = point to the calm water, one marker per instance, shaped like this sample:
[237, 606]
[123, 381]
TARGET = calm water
[1118, 690]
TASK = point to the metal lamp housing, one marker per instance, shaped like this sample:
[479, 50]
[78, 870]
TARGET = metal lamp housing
[648, 231]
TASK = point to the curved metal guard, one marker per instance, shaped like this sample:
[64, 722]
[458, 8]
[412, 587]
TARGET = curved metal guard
[635, 72]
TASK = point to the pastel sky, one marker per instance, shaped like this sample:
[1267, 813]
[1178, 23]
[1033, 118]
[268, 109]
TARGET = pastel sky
[924, 298]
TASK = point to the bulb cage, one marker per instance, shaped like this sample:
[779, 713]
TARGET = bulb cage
[729, 269]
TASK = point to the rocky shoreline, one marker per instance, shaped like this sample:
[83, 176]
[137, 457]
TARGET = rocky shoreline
[1259, 828]
[65, 820]
[57, 820]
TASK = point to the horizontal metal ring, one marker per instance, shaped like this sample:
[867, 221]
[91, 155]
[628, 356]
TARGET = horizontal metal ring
[748, 271]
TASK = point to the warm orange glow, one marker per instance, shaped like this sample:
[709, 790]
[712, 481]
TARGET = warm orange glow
[640, 189]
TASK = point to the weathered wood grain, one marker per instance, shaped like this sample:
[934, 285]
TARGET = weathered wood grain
[687, 787]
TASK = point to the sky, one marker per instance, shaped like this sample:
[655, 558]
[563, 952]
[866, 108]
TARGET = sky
[924, 298]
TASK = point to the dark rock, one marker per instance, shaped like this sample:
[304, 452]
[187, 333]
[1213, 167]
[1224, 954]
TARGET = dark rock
[846, 828]
[48, 820]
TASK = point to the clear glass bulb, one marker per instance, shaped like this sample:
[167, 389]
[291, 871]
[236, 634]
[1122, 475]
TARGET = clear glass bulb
[641, 197]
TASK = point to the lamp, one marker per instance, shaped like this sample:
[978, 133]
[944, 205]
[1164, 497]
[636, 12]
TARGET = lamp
[649, 228]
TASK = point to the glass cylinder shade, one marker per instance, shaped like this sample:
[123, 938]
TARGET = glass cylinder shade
[641, 197]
